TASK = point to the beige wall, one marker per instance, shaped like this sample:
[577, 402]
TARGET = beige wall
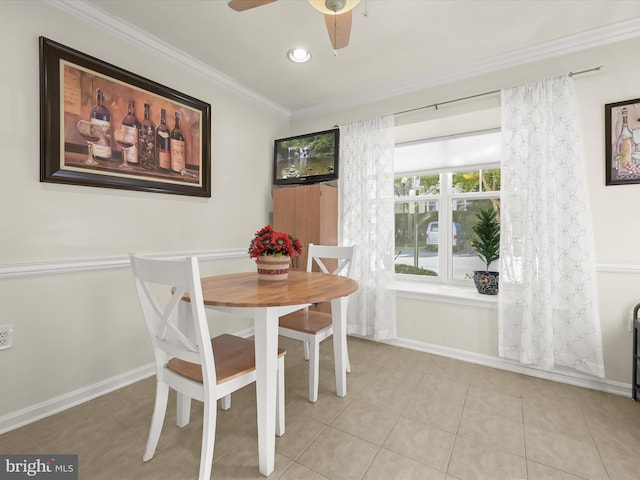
[614, 216]
[461, 327]
[75, 330]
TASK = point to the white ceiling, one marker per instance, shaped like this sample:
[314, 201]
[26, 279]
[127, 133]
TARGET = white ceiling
[398, 45]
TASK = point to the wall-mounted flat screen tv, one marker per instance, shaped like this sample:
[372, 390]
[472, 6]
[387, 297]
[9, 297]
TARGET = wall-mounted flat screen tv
[309, 158]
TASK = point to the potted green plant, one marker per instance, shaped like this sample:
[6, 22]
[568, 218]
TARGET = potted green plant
[487, 246]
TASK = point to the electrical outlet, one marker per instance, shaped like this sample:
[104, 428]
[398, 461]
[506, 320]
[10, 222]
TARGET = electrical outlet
[6, 336]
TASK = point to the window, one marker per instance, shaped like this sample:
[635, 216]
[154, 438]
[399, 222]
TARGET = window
[440, 185]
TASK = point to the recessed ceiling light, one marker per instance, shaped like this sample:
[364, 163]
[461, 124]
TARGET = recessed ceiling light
[298, 55]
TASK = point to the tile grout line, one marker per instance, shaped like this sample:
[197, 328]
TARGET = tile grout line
[457, 435]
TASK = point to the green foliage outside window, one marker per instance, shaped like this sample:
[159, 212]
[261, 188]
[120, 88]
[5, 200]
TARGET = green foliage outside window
[411, 270]
[421, 185]
[464, 182]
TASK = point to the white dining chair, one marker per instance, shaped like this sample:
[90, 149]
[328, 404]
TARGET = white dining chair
[187, 359]
[312, 326]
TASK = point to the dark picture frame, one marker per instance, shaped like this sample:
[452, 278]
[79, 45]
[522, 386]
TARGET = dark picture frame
[77, 148]
[622, 142]
[308, 158]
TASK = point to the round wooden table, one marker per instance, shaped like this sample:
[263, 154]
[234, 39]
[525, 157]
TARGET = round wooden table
[244, 289]
[265, 302]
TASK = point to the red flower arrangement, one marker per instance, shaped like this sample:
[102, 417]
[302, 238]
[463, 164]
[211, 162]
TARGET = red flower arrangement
[269, 242]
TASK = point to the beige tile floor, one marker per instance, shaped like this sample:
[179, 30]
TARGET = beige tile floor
[407, 415]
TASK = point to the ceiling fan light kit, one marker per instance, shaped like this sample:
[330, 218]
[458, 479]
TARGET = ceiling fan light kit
[334, 7]
[337, 15]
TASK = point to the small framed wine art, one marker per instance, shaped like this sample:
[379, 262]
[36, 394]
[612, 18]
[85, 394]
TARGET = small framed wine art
[103, 126]
[622, 140]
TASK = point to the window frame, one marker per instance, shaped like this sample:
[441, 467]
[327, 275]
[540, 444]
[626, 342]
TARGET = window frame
[445, 198]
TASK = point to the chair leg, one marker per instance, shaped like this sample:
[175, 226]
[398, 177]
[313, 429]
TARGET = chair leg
[306, 350]
[159, 411]
[280, 399]
[314, 369]
[183, 410]
[348, 363]
[208, 436]
[225, 402]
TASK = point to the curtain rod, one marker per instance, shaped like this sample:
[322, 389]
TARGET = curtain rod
[493, 92]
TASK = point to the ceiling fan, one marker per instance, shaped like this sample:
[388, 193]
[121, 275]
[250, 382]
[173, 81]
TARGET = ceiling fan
[337, 16]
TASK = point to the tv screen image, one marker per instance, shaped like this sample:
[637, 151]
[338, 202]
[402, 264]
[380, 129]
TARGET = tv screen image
[308, 158]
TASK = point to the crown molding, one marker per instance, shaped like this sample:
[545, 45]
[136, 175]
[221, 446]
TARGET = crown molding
[601, 36]
[594, 38]
[140, 38]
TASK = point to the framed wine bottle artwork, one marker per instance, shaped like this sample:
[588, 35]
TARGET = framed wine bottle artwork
[103, 126]
[622, 141]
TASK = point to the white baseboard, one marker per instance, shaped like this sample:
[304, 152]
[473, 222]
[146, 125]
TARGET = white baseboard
[63, 402]
[55, 405]
[58, 404]
[565, 376]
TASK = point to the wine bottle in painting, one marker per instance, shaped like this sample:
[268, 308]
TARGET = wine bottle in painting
[146, 141]
[177, 147]
[130, 126]
[163, 156]
[100, 116]
[623, 145]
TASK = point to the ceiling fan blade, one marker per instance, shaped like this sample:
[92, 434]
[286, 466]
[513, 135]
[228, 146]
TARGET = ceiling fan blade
[242, 5]
[339, 28]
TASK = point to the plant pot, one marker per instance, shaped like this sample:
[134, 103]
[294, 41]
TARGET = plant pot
[273, 268]
[486, 282]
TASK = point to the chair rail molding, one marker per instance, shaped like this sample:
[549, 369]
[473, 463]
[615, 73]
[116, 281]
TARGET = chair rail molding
[96, 264]
[618, 267]
[55, 267]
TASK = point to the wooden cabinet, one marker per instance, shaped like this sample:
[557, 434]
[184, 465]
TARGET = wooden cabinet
[309, 212]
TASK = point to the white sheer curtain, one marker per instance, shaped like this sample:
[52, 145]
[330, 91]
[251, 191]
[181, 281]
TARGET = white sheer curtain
[367, 218]
[548, 308]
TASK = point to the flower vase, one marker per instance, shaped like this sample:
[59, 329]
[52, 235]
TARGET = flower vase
[273, 268]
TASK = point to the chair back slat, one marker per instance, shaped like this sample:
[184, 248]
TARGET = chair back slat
[320, 253]
[168, 322]
[161, 284]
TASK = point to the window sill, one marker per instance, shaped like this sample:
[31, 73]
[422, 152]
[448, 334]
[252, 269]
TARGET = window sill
[436, 292]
